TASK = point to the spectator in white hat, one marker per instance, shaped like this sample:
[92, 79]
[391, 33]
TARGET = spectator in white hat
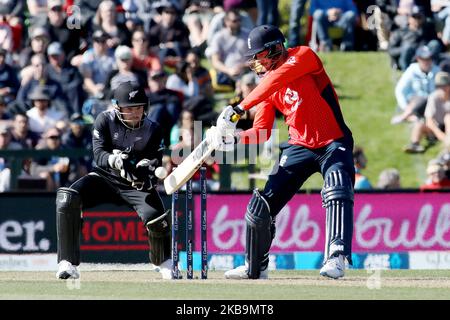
[436, 178]
[389, 179]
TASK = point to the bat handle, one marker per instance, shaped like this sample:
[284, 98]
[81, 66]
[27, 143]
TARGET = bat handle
[235, 117]
[238, 112]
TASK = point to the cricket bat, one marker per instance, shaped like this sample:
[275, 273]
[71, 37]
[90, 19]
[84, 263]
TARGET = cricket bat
[188, 167]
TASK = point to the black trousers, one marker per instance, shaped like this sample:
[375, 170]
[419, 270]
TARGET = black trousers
[95, 190]
[298, 163]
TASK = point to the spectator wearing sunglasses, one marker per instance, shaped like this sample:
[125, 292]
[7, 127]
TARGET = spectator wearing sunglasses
[55, 170]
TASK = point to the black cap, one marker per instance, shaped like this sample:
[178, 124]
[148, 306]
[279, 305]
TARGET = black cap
[76, 118]
[3, 52]
[129, 94]
[263, 37]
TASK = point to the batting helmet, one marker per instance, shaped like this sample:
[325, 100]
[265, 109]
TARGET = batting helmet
[262, 38]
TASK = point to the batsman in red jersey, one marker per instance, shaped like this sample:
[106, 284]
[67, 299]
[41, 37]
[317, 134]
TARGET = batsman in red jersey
[295, 83]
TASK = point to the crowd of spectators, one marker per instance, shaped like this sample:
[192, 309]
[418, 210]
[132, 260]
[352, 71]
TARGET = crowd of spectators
[416, 37]
[61, 60]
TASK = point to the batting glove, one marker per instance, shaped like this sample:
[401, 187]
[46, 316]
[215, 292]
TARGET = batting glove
[227, 120]
[221, 142]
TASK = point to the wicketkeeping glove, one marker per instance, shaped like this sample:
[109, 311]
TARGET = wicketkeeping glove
[119, 160]
[145, 174]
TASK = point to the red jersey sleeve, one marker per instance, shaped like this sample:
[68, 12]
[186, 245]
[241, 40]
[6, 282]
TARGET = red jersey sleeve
[262, 125]
[300, 62]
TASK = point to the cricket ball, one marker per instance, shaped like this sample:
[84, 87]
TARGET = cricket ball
[161, 172]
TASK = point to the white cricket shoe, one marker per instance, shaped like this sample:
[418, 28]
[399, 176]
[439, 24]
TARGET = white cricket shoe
[165, 269]
[67, 271]
[334, 267]
[241, 272]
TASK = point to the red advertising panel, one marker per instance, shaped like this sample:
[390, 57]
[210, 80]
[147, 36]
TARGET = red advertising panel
[113, 231]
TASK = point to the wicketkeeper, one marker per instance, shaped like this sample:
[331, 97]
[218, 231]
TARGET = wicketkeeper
[295, 83]
[127, 150]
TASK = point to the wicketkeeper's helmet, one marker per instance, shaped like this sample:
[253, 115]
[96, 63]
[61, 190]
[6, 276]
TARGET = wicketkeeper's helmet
[129, 94]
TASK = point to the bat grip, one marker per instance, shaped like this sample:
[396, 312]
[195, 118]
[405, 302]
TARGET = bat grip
[238, 113]
[235, 117]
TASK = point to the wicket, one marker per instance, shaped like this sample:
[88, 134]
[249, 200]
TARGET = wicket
[189, 217]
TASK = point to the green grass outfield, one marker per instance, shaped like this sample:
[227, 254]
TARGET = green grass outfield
[286, 285]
